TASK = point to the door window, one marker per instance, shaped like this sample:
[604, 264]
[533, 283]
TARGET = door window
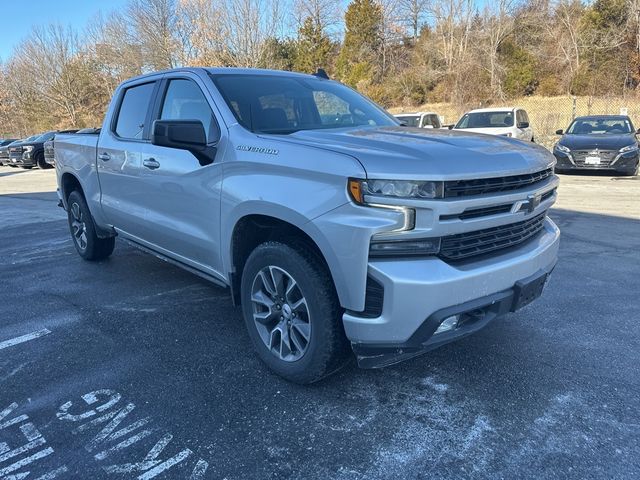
[185, 101]
[133, 111]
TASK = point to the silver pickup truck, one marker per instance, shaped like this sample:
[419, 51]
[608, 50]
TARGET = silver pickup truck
[333, 226]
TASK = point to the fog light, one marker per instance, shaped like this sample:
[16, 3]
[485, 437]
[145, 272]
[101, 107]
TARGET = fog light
[449, 323]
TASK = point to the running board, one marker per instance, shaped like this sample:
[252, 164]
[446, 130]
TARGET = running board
[177, 263]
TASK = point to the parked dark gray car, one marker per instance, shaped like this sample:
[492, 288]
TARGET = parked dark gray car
[598, 142]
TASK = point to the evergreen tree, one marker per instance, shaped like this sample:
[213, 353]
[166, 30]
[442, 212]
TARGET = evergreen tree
[360, 56]
[313, 48]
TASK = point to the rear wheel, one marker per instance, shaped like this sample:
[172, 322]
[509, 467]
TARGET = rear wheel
[292, 312]
[83, 230]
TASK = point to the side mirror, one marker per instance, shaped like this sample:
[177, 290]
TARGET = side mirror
[181, 134]
[560, 132]
[523, 125]
[450, 127]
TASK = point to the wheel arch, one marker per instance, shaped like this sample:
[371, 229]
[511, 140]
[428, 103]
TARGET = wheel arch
[252, 229]
[68, 183]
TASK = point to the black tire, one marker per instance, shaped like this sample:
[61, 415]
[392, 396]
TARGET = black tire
[26, 168]
[89, 246]
[41, 162]
[327, 347]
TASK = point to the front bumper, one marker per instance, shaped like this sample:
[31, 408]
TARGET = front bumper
[27, 162]
[623, 163]
[417, 293]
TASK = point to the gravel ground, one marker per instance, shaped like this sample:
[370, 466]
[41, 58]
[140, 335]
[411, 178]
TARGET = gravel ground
[137, 369]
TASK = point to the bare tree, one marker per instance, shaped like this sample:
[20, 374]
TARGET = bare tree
[154, 25]
[326, 14]
[248, 25]
[452, 20]
[414, 13]
[498, 23]
[51, 64]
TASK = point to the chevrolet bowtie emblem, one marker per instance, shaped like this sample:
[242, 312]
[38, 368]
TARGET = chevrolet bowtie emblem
[532, 202]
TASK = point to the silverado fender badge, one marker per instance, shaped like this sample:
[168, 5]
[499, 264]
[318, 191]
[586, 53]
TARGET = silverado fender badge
[267, 151]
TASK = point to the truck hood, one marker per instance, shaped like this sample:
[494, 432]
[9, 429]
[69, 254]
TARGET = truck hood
[428, 154]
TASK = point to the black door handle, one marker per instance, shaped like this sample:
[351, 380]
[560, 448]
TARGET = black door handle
[151, 163]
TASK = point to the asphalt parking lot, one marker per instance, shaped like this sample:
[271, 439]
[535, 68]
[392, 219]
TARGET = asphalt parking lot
[133, 368]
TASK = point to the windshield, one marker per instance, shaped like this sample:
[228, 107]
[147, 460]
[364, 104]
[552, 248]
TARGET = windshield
[410, 120]
[286, 104]
[486, 120]
[45, 136]
[600, 126]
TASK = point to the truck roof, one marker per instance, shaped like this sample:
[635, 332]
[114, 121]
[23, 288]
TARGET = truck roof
[413, 114]
[495, 109]
[225, 71]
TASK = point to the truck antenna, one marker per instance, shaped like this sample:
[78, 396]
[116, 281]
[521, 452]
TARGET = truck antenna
[321, 73]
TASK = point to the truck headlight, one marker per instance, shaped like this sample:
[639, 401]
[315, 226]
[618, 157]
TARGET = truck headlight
[562, 148]
[411, 189]
[629, 148]
[26, 151]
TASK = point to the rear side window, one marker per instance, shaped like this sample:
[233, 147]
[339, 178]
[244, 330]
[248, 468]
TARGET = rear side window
[185, 101]
[432, 120]
[133, 111]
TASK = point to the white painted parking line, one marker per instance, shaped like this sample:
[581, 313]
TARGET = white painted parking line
[24, 338]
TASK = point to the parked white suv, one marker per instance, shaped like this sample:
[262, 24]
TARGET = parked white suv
[420, 119]
[508, 122]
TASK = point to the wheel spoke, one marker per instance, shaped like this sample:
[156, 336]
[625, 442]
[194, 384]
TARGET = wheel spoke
[290, 287]
[262, 299]
[277, 277]
[300, 345]
[304, 329]
[285, 343]
[75, 211]
[266, 283]
[300, 306]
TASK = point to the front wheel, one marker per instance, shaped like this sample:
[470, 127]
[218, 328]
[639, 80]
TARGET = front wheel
[83, 230]
[292, 312]
[42, 162]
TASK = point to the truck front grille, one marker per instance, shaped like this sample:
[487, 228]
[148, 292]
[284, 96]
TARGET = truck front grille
[463, 246]
[480, 186]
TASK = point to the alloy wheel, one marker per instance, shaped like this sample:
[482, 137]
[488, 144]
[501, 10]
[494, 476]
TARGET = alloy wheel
[78, 227]
[281, 313]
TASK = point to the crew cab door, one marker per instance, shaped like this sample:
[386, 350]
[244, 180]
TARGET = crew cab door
[121, 146]
[179, 193]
